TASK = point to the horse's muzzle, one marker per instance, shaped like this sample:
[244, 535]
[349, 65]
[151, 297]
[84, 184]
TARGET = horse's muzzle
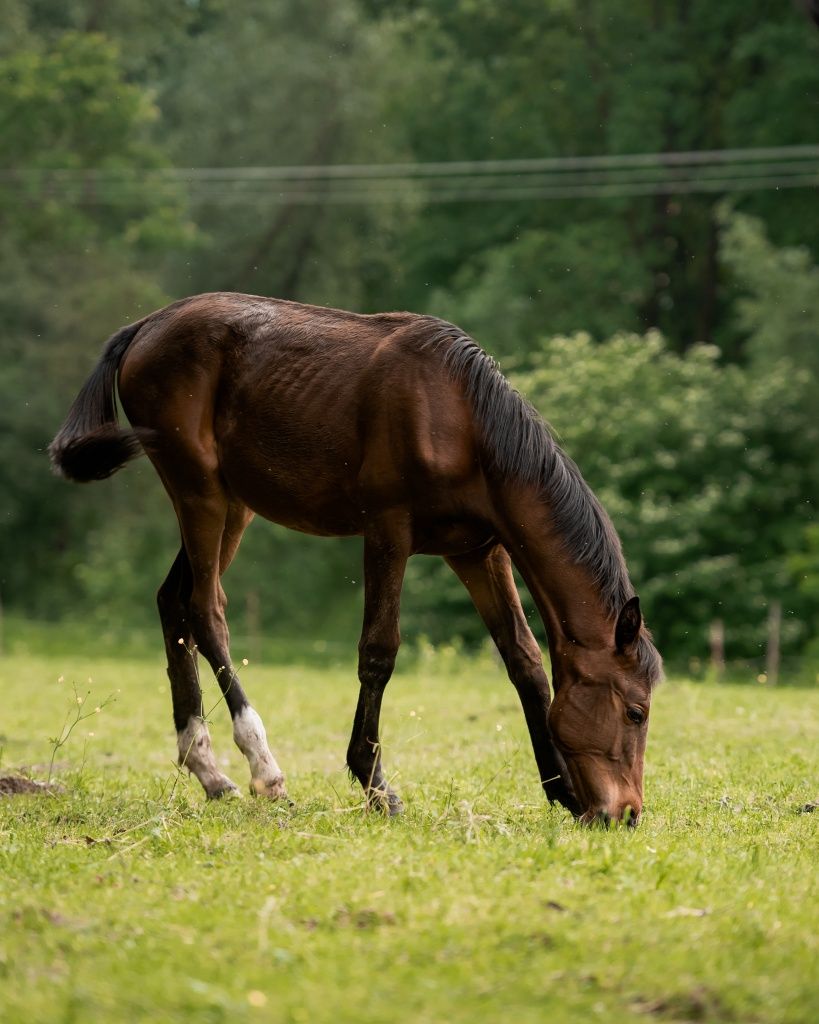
[603, 818]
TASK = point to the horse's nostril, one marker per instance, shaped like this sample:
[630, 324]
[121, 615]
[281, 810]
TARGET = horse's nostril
[631, 817]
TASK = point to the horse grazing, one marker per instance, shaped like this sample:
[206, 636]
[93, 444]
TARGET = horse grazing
[400, 428]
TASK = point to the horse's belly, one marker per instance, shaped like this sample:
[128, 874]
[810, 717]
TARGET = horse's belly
[321, 493]
[302, 493]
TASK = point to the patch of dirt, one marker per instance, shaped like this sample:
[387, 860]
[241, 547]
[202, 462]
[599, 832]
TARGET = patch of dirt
[364, 919]
[686, 1007]
[19, 785]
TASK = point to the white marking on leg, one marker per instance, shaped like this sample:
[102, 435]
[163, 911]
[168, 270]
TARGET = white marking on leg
[196, 754]
[249, 733]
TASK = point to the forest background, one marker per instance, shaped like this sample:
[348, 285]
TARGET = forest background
[662, 313]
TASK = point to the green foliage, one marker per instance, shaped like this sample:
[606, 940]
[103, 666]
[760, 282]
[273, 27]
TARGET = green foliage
[778, 306]
[573, 279]
[66, 106]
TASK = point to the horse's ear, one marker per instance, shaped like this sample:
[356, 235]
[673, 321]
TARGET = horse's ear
[628, 624]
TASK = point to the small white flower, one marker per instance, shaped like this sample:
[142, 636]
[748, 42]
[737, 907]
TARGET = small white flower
[60, 679]
[244, 661]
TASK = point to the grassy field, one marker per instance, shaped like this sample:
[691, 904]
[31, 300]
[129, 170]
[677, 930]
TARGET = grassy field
[128, 897]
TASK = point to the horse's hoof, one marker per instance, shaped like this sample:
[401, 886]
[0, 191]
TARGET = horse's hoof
[225, 791]
[272, 789]
[388, 804]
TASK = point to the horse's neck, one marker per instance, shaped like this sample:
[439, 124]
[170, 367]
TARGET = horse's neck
[568, 601]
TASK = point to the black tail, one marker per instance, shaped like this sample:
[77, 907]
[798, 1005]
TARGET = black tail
[91, 445]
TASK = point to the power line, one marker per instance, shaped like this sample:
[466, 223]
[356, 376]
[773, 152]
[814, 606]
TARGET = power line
[453, 167]
[585, 177]
[481, 195]
[608, 176]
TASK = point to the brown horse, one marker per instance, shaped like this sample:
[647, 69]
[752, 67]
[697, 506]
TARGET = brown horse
[397, 427]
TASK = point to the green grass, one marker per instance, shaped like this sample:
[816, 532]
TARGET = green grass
[126, 898]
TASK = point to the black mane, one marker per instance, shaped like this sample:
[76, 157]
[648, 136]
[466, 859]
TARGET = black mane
[522, 448]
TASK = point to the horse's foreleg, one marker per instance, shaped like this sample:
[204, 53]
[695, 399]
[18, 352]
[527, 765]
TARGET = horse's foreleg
[385, 558]
[487, 575]
[193, 739]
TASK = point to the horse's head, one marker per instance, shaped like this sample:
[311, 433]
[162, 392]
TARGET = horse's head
[599, 718]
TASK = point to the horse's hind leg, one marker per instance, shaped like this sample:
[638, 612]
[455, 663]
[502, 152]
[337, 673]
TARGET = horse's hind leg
[385, 558]
[195, 751]
[249, 734]
[487, 575]
[211, 529]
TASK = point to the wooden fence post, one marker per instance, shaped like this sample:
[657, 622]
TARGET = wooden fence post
[716, 638]
[774, 642]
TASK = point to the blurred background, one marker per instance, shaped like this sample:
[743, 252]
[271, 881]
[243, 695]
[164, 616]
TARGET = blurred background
[617, 199]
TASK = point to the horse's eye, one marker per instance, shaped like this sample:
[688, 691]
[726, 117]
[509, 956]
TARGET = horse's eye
[636, 715]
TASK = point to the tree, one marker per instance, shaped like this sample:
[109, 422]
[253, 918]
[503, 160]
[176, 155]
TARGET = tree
[488, 81]
[66, 107]
[777, 308]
